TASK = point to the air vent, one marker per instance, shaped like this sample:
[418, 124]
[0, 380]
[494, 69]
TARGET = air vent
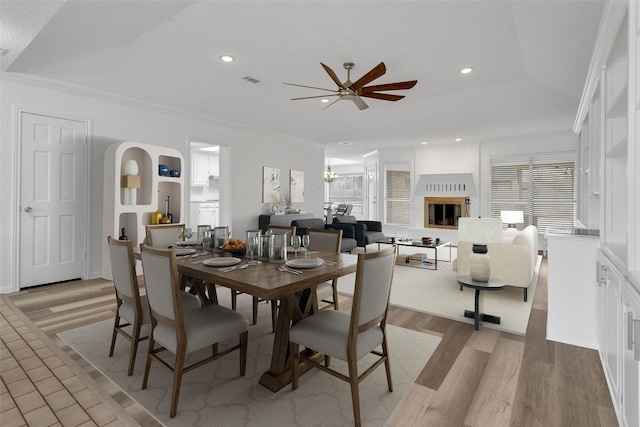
[252, 80]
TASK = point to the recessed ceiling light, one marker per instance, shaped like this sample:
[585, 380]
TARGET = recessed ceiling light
[466, 70]
[345, 142]
[324, 100]
[227, 58]
[458, 139]
[424, 143]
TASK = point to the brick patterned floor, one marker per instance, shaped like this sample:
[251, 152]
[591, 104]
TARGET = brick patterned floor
[37, 386]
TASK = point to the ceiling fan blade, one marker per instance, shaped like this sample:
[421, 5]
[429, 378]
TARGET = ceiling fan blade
[333, 76]
[375, 72]
[312, 97]
[383, 96]
[360, 103]
[331, 104]
[310, 87]
[390, 86]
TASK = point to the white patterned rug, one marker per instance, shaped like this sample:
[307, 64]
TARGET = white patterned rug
[437, 293]
[215, 394]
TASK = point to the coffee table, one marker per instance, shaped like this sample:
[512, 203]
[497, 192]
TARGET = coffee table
[430, 264]
[477, 314]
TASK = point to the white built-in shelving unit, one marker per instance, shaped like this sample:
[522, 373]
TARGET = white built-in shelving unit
[151, 196]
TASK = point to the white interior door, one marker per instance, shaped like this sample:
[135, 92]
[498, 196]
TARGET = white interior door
[52, 199]
[372, 192]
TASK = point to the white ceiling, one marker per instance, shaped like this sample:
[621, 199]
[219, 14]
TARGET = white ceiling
[531, 60]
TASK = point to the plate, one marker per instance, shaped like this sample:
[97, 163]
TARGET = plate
[304, 263]
[185, 251]
[221, 261]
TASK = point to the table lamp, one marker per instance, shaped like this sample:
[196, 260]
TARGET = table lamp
[480, 232]
[511, 218]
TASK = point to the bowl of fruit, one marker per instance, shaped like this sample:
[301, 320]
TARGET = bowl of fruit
[234, 246]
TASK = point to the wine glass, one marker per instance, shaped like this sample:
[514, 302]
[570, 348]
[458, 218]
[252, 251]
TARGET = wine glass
[252, 244]
[206, 238]
[188, 233]
[295, 243]
[180, 235]
[305, 243]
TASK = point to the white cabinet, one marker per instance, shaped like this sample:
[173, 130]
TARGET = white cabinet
[572, 289]
[630, 357]
[208, 214]
[610, 352]
[199, 170]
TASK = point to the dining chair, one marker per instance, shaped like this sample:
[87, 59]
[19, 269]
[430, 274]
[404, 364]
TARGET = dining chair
[352, 336]
[276, 229]
[183, 332]
[163, 234]
[331, 241]
[341, 209]
[132, 309]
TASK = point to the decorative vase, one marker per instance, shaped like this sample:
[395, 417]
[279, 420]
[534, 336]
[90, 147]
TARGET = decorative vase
[479, 264]
[131, 167]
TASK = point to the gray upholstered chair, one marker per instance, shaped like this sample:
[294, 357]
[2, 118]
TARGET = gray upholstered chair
[183, 332]
[367, 231]
[352, 336]
[330, 241]
[163, 234]
[132, 309]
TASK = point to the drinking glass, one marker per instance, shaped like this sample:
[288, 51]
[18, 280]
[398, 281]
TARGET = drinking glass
[305, 243]
[279, 248]
[180, 235]
[188, 233]
[206, 238]
[295, 244]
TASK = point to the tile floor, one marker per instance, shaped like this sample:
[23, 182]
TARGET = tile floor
[37, 386]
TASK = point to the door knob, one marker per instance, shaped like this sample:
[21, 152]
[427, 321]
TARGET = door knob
[28, 209]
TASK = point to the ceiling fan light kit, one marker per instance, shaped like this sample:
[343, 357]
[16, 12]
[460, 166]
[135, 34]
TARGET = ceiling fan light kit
[350, 91]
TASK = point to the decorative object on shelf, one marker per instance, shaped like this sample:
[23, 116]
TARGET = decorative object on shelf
[296, 186]
[329, 175]
[130, 183]
[275, 208]
[156, 217]
[480, 232]
[123, 236]
[174, 173]
[511, 218]
[166, 219]
[270, 185]
[163, 170]
[287, 203]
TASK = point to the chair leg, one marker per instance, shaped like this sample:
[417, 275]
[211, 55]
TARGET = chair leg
[135, 338]
[244, 342]
[234, 297]
[293, 364]
[525, 294]
[177, 381]
[113, 336]
[255, 310]
[355, 394]
[334, 286]
[387, 363]
[147, 365]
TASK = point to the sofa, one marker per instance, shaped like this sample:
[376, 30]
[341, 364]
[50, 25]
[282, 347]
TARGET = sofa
[348, 243]
[367, 232]
[513, 261]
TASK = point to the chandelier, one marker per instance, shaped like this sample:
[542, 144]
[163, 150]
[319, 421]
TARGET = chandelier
[329, 175]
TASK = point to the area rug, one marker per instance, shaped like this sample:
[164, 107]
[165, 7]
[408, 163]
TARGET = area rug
[437, 293]
[215, 394]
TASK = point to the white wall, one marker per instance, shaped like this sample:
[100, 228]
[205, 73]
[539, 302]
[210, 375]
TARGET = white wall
[114, 119]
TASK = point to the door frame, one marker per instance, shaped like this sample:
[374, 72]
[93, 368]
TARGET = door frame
[17, 194]
[372, 196]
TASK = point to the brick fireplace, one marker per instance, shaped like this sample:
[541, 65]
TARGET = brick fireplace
[444, 212]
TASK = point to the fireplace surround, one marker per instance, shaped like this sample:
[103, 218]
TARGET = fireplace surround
[444, 212]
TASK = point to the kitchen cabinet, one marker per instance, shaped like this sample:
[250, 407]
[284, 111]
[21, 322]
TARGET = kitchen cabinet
[208, 214]
[199, 170]
[630, 356]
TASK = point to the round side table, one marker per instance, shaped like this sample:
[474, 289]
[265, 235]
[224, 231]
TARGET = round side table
[477, 314]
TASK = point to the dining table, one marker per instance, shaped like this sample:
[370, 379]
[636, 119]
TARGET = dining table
[267, 280]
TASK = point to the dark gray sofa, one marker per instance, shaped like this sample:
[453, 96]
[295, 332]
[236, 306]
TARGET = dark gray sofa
[349, 242]
[367, 232]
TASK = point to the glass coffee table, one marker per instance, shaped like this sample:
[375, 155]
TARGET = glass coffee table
[426, 262]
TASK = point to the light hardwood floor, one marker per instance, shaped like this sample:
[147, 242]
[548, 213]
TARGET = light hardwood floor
[475, 378]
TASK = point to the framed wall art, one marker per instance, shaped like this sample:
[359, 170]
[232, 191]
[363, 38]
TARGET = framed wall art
[296, 186]
[270, 185]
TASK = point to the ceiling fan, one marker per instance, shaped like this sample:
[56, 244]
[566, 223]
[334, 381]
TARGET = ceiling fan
[356, 91]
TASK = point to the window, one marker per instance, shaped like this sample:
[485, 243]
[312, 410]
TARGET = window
[543, 188]
[397, 195]
[347, 189]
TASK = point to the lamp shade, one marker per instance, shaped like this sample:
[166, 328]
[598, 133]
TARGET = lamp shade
[512, 217]
[480, 231]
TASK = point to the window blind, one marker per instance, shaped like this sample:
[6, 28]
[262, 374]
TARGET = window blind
[397, 204]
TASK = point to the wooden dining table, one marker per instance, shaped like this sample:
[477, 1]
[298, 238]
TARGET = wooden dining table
[267, 282]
